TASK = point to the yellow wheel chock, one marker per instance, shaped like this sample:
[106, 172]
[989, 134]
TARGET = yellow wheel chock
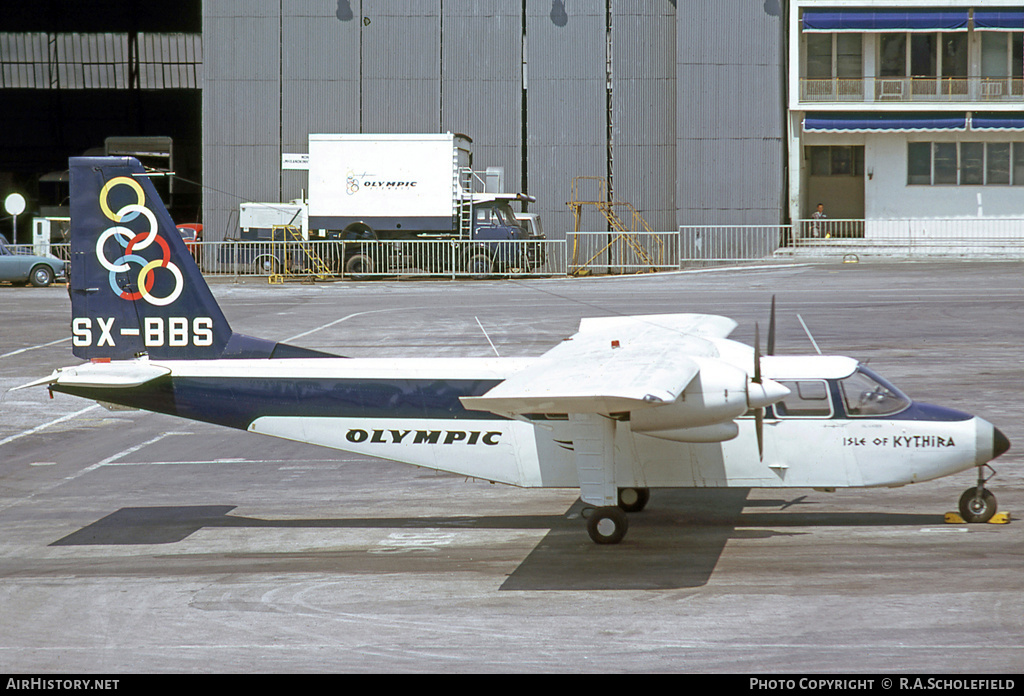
[998, 518]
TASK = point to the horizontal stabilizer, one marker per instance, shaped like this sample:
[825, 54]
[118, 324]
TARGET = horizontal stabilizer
[106, 375]
[52, 379]
[610, 365]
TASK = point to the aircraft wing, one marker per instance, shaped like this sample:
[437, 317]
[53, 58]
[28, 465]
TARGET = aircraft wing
[610, 365]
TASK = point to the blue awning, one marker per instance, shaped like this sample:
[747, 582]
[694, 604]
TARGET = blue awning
[997, 122]
[999, 20]
[884, 122]
[884, 20]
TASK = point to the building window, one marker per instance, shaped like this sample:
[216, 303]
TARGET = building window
[944, 161]
[836, 160]
[972, 164]
[835, 55]
[923, 55]
[1001, 54]
[834, 66]
[892, 54]
[919, 164]
[1002, 64]
[965, 164]
[997, 163]
[935, 62]
[819, 56]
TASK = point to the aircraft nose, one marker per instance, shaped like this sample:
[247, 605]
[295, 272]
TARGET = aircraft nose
[999, 442]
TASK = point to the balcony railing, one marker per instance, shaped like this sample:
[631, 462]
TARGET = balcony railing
[912, 89]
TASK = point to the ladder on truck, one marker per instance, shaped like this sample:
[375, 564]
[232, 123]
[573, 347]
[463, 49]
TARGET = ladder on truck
[300, 251]
[465, 193]
[624, 239]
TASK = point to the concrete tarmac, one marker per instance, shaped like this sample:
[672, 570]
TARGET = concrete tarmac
[140, 543]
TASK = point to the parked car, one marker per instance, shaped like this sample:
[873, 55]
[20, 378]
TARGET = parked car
[26, 268]
[191, 232]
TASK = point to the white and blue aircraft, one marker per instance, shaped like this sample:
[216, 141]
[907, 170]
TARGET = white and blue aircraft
[625, 405]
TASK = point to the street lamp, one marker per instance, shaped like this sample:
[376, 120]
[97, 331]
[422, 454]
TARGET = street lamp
[14, 204]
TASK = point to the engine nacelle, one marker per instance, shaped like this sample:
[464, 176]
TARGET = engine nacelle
[719, 393]
[719, 432]
[716, 395]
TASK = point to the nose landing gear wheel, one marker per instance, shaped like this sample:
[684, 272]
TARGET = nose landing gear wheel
[977, 505]
[607, 525]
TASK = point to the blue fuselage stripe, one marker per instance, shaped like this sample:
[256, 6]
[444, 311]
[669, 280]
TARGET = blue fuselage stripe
[238, 401]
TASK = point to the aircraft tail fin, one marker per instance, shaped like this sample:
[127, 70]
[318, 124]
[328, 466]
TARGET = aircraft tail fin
[135, 288]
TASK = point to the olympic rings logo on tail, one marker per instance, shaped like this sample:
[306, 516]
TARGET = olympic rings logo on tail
[132, 242]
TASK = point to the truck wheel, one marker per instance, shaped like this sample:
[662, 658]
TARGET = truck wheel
[41, 276]
[359, 266]
[479, 265]
[265, 265]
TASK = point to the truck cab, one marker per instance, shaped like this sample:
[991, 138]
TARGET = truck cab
[494, 221]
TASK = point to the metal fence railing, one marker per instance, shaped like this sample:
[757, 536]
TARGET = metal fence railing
[912, 89]
[715, 244]
[601, 252]
[61, 251]
[824, 228]
[963, 237]
[379, 259]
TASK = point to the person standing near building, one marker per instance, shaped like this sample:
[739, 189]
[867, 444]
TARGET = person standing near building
[817, 226]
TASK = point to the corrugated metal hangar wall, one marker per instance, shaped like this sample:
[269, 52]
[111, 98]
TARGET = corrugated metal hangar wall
[678, 102]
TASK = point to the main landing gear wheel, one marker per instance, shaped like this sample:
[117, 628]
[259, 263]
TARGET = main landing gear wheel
[977, 505]
[634, 499]
[607, 525]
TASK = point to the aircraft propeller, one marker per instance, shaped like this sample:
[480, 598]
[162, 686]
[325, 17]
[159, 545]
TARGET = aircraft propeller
[757, 379]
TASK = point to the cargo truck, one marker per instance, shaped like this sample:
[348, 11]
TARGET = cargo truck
[403, 187]
[260, 223]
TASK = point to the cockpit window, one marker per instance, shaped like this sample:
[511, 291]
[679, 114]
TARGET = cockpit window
[806, 399]
[865, 394]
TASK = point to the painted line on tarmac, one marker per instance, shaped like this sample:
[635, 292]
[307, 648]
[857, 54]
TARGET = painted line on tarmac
[41, 345]
[338, 321]
[36, 429]
[124, 453]
[54, 483]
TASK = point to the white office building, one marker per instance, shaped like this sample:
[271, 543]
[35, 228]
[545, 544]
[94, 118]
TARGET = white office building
[907, 111]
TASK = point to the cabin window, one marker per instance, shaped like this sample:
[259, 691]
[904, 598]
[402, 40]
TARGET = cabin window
[865, 394]
[807, 399]
[487, 216]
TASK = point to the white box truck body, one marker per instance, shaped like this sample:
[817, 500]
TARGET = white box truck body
[394, 184]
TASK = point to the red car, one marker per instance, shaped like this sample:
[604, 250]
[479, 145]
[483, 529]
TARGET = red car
[191, 232]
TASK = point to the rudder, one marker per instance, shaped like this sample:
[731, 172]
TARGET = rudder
[135, 288]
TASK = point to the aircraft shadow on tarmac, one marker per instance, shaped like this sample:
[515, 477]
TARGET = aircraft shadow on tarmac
[674, 544]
